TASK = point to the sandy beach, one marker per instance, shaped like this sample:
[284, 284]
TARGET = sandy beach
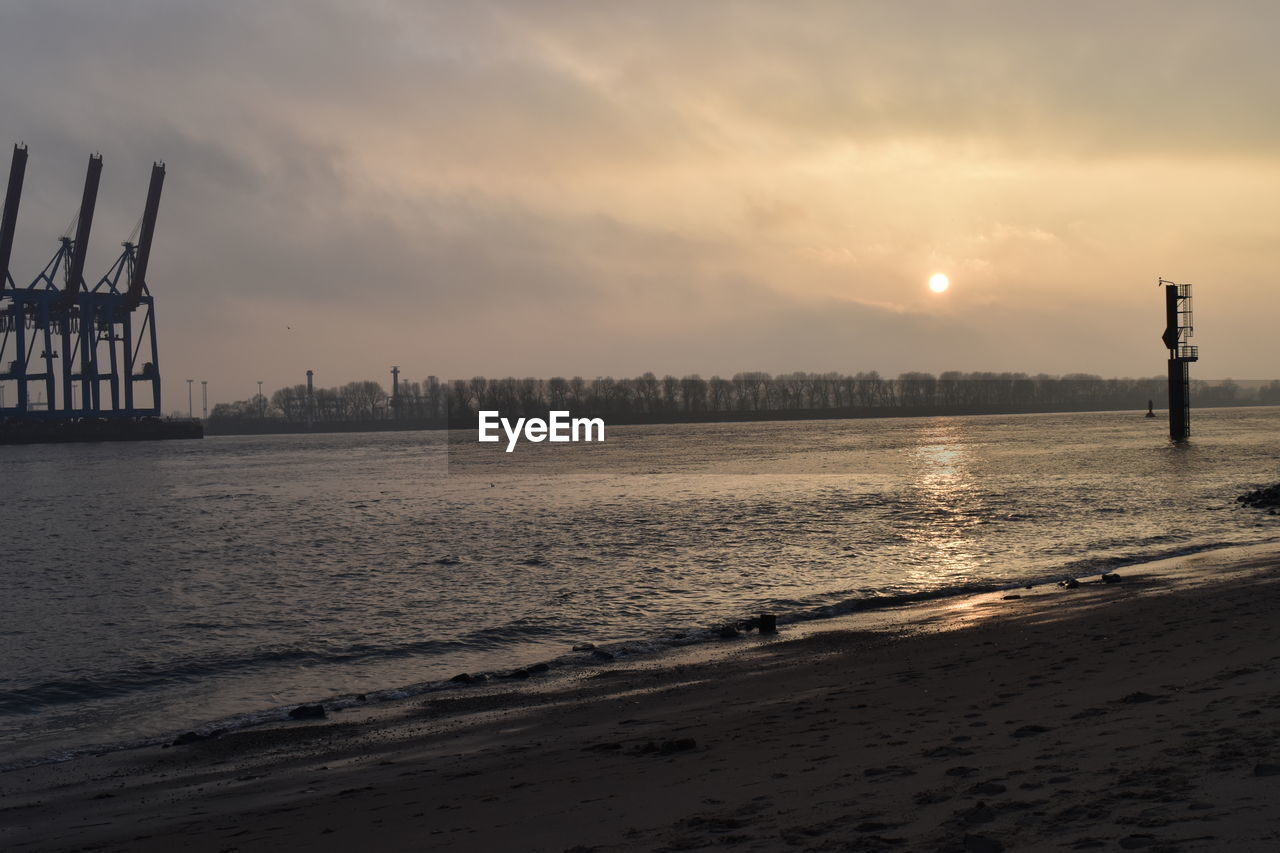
[1143, 714]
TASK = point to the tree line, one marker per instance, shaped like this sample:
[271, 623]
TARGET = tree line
[649, 398]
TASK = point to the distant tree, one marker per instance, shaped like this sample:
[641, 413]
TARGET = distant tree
[670, 393]
[693, 391]
[291, 402]
[647, 396]
[719, 394]
[916, 389]
[362, 399]
[1226, 391]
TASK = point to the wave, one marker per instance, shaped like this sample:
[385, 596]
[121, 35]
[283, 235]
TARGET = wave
[147, 676]
[34, 698]
[1090, 565]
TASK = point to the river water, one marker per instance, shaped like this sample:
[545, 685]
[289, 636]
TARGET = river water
[153, 588]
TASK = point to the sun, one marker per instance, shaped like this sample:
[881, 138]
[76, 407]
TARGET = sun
[939, 282]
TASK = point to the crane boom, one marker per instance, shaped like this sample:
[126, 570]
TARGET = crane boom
[143, 255]
[80, 250]
[10, 219]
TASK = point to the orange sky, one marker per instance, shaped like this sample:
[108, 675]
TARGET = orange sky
[541, 188]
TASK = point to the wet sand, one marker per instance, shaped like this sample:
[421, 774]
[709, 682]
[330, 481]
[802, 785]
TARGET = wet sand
[1138, 715]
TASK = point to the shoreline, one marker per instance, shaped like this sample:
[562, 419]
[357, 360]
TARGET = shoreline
[763, 745]
[694, 643]
[268, 426]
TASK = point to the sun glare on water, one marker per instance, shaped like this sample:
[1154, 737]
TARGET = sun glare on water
[939, 282]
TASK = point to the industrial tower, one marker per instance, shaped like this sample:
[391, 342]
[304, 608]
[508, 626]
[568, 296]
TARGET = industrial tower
[1177, 334]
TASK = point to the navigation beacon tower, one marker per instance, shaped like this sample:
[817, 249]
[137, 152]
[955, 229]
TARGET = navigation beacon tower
[1177, 335]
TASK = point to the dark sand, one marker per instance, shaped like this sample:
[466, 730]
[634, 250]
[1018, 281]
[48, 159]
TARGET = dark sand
[1143, 715]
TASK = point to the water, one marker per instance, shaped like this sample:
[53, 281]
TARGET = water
[152, 588]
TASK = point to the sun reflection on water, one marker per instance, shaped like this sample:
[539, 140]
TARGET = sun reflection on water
[947, 504]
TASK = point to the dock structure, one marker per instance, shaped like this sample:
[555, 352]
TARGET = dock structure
[80, 355]
[1177, 336]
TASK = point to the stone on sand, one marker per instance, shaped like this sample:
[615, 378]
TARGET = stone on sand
[307, 712]
[195, 737]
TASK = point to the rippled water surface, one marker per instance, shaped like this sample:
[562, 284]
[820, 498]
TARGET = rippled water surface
[150, 588]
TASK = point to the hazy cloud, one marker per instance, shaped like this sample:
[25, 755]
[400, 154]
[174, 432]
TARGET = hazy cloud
[556, 187]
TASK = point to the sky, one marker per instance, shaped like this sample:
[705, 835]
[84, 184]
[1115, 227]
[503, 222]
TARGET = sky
[607, 188]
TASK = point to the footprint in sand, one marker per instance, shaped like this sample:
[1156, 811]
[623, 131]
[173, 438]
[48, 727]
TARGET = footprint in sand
[893, 771]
